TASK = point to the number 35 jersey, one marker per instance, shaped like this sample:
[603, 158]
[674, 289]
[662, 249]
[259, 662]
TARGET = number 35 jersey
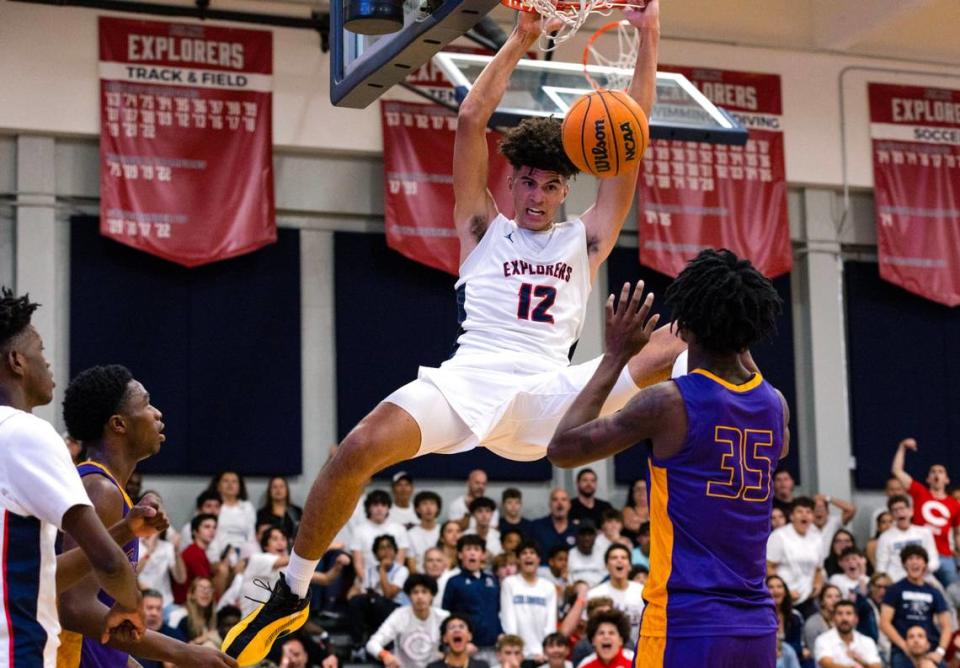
[710, 513]
[516, 297]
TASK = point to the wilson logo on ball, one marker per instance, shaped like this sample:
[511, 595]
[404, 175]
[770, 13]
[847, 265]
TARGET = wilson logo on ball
[605, 133]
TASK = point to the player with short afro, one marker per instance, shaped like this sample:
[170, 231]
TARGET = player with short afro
[92, 397]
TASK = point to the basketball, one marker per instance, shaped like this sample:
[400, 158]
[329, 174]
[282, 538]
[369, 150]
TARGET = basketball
[605, 133]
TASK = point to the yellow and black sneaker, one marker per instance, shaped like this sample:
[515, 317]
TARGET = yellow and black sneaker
[252, 638]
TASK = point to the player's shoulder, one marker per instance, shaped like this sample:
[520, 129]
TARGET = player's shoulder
[22, 431]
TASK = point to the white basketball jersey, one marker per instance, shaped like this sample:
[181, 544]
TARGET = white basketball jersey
[516, 297]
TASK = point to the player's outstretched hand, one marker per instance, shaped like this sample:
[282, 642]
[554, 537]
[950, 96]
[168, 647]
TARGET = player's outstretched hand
[629, 323]
[645, 17]
[204, 656]
[123, 624]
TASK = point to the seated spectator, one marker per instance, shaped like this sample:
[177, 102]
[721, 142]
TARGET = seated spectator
[883, 522]
[511, 503]
[640, 555]
[460, 507]
[627, 596]
[777, 518]
[918, 649]
[262, 569]
[161, 562]
[227, 617]
[635, 510]
[584, 562]
[509, 651]
[608, 631]
[384, 592]
[903, 532]
[277, 510]
[852, 579]
[556, 528]
[783, 485]
[789, 621]
[611, 531]
[586, 506]
[556, 568]
[556, 648]
[413, 630]
[913, 602]
[842, 539]
[450, 533]
[153, 618]
[456, 634]
[510, 540]
[198, 565]
[436, 566]
[474, 593]
[793, 553]
[402, 511]
[843, 645]
[237, 521]
[481, 515]
[425, 534]
[822, 620]
[528, 604]
[295, 654]
[377, 508]
[207, 503]
[868, 612]
[199, 626]
[828, 523]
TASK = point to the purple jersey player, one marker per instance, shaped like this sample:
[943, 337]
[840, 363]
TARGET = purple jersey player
[718, 433]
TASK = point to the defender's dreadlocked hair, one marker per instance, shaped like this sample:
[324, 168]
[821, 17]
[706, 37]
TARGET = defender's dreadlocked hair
[92, 397]
[537, 143]
[15, 315]
[724, 301]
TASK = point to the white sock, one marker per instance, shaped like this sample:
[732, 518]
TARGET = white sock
[298, 573]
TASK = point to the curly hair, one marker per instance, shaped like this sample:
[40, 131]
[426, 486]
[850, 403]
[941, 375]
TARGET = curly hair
[92, 397]
[15, 315]
[615, 617]
[537, 143]
[724, 301]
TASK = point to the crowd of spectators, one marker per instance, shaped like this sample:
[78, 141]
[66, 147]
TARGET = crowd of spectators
[407, 584]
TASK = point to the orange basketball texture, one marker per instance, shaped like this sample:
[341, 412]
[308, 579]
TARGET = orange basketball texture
[605, 133]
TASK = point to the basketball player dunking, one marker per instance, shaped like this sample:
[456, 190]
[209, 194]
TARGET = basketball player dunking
[522, 292]
[718, 433]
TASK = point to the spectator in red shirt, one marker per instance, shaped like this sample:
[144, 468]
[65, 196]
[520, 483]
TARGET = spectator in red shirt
[203, 529]
[607, 632]
[932, 508]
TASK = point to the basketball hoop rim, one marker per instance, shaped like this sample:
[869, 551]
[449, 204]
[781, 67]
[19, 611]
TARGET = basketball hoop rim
[523, 6]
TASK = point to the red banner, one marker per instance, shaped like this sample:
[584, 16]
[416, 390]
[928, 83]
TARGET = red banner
[418, 180]
[694, 195]
[186, 170]
[916, 175]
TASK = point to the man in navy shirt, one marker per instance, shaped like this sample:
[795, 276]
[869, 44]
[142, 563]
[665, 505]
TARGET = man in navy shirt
[913, 602]
[556, 528]
[474, 593]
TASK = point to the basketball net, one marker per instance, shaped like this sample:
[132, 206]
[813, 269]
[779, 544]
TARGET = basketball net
[627, 48]
[571, 15]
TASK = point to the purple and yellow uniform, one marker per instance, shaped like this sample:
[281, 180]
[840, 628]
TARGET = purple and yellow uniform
[77, 651]
[707, 602]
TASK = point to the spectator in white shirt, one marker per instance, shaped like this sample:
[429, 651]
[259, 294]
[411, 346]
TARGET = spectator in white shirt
[528, 604]
[160, 563]
[424, 535]
[384, 589]
[610, 531]
[237, 521]
[852, 579]
[377, 507]
[460, 507]
[413, 630]
[627, 595]
[482, 510]
[843, 645]
[794, 553]
[403, 511]
[827, 523]
[584, 561]
[903, 532]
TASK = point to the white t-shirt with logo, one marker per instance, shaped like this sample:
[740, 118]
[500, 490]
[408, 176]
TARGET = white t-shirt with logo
[529, 611]
[420, 541]
[893, 540]
[797, 558]
[629, 601]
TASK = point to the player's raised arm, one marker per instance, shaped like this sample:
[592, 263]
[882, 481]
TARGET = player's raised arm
[605, 218]
[474, 207]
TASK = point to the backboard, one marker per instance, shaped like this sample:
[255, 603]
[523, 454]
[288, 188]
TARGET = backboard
[363, 67]
[549, 88]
